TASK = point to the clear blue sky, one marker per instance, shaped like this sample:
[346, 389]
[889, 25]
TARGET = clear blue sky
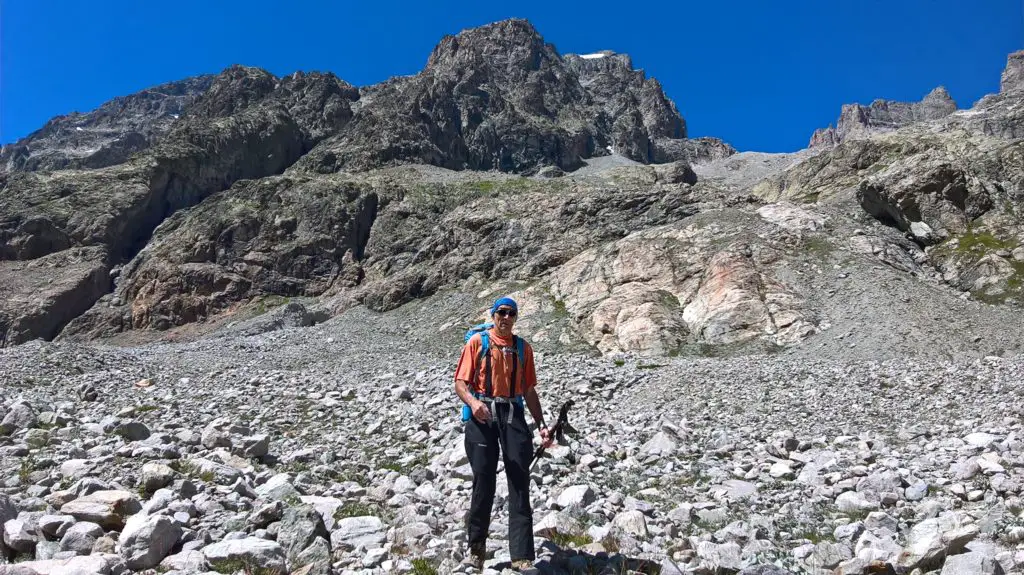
[761, 74]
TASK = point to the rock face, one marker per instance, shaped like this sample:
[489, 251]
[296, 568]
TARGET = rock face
[700, 283]
[262, 126]
[567, 180]
[499, 97]
[950, 183]
[287, 237]
[641, 112]
[108, 135]
[857, 121]
[1013, 75]
[46, 293]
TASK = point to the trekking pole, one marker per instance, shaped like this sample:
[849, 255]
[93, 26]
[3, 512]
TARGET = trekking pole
[559, 430]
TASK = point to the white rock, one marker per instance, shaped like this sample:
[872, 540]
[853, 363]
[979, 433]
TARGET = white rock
[146, 540]
[374, 557]
[55, 526]
[877, 546]
[932, 539]
[973, 563]
[352, 532]
[156, 475]
[781, 470]
[85, 565]
[631, 522]
[980, 440]
[17, 537]
[662, 444]
[325, 506]
[277, 488]
[80, 537]
[267, 556]
[186, 561]
[578, 495]
[851, 501]
[557, 522]
[76, 468]
[725, 557]
[108, 508]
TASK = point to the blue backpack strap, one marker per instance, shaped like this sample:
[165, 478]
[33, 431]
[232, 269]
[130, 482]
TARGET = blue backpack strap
[485, 342]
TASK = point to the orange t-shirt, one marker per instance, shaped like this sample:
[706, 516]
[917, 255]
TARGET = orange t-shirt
[502, 351]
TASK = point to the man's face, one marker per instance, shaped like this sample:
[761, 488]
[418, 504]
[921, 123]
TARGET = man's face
[504, 318]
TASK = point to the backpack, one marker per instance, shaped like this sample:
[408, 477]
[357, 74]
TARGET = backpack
[485, 348]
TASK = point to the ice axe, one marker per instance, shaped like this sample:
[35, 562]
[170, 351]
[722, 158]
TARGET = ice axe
[559, 430]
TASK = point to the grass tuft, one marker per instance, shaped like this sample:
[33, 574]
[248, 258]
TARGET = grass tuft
[421, 566]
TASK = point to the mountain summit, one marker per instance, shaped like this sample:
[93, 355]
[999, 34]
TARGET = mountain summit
[499, 97]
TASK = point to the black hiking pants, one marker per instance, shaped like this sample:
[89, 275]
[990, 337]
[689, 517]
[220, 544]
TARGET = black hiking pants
[483, 441]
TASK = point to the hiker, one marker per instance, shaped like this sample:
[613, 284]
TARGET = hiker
[494, 388]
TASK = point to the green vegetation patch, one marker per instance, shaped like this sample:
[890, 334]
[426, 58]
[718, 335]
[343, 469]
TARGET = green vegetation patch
[570, 540]
[355, 509]
[421, 566]
[240, 566]
[270, 302]
[981, 241]
[440, 197]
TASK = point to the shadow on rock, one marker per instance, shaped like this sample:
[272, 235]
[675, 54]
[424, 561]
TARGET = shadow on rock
[554, 560]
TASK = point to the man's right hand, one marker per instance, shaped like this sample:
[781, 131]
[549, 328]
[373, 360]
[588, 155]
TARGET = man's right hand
[480, 411]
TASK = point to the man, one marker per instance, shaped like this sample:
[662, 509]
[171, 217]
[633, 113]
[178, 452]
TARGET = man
[498, 422]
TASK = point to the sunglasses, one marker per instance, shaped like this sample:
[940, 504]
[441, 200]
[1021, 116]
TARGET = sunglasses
[506, 312]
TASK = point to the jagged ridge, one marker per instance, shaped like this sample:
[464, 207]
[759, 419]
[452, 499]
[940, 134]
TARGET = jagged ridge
[495, 97]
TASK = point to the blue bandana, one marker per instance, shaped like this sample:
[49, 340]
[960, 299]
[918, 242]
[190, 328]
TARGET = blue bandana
[505, 301]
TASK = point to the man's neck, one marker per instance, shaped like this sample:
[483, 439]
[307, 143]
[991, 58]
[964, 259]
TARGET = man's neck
[502, 334]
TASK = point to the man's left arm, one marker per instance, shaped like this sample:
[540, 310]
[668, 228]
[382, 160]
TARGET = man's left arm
[533, 400]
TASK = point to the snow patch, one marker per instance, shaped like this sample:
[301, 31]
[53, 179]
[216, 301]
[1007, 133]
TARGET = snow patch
[610, 150]
[78, 128]
[175, 116]
[967, 113]
[592, 56]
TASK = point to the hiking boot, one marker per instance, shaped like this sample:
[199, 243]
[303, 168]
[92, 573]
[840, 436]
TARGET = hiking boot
[522, 565]
[475, 558]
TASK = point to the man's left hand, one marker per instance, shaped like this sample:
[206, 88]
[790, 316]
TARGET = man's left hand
[546, 439]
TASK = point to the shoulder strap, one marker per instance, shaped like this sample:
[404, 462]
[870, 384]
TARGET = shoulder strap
[517, 358]
[485, 354]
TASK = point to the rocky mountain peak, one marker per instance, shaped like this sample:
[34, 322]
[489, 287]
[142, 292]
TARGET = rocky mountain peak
[857, 120]
[1013, 74]
[618, 87]
[510, 45]
[939, 95]
[233, 90]
[499, 97]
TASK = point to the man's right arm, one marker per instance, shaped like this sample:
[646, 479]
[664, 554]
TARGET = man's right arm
[478, 408]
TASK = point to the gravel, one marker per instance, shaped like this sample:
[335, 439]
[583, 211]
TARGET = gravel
[290, 449]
